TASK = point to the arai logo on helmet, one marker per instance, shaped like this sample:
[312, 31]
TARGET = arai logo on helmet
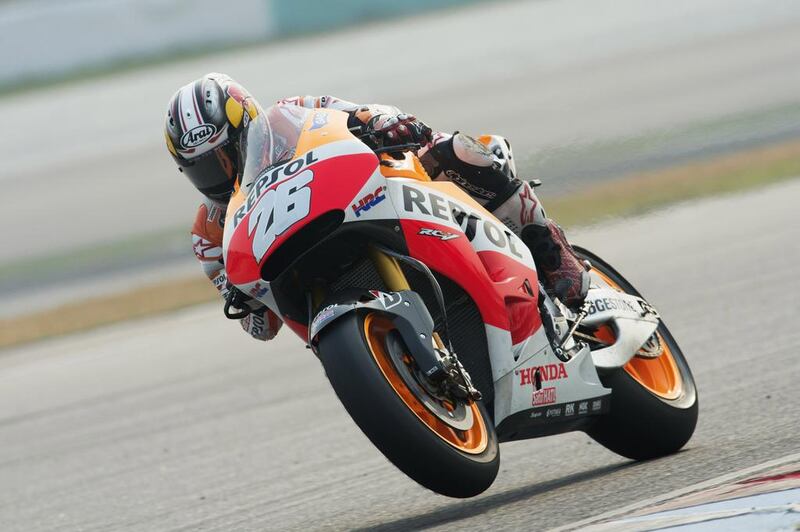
[198, 135]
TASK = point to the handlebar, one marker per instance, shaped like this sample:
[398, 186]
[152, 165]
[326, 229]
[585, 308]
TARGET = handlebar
[371, 139]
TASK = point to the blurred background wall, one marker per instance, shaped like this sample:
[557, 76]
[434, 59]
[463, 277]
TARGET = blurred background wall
[590, 93]
[45, 39]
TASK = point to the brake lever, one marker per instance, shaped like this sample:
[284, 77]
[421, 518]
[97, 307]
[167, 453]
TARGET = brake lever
[231, 300]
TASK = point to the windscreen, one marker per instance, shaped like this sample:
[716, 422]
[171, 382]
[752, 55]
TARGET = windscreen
[271, 138]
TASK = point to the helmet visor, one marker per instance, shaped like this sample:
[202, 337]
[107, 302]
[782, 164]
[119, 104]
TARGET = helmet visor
[213, 173]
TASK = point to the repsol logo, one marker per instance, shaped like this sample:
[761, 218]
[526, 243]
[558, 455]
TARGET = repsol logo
[269, 177]
[430, 204]
[257, 325]
[198, 135]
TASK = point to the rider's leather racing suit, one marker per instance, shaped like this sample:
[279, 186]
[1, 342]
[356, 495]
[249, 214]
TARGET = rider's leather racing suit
[482, 167]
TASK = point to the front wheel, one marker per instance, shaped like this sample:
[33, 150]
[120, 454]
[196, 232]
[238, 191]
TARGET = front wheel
[446, 445]
[654, 402]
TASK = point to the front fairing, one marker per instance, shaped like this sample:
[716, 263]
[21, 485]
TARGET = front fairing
[270, 138]
[328, 170]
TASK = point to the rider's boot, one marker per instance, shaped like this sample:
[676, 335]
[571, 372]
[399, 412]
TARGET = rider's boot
[485, 169]
[563, 274]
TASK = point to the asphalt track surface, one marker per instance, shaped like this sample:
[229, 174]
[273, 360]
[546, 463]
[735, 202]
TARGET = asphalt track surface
[85, 163]
[182, 422]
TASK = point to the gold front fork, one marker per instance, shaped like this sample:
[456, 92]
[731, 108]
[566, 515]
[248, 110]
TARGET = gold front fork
[394, 278]
[389, 270]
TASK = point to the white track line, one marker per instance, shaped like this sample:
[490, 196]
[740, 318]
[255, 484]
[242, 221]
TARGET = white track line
[717, 481]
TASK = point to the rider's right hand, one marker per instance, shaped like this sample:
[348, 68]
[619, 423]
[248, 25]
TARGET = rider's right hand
[392, 128]
[402, 129]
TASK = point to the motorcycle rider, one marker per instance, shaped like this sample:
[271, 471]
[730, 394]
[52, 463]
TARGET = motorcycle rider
[206, 117]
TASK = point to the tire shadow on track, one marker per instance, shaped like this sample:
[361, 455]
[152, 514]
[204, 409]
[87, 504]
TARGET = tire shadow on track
[474, 507]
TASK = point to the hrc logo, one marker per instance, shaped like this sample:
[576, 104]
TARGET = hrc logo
[369, 201]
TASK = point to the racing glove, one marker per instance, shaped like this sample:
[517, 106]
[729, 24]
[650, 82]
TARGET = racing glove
[261, 323]
[390, 127]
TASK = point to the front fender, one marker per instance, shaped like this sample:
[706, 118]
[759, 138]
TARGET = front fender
[405, 309]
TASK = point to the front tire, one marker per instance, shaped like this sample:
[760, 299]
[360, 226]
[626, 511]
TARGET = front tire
[353, 353]
[654, 403]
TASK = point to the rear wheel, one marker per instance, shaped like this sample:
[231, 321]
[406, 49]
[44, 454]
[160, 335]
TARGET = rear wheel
[447, 445]
[654, 401]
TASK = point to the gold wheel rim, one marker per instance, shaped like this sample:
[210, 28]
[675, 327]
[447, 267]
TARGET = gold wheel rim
[659, 375]
[473, 440]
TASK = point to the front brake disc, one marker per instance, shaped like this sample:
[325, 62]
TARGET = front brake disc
[460, 418]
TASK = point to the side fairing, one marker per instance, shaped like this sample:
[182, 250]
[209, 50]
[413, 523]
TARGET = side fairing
[456, 237]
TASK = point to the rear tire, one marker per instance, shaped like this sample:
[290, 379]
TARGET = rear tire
[392, 426]
[643, 424]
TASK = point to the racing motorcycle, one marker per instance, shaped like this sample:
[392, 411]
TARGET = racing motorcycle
[427, 315]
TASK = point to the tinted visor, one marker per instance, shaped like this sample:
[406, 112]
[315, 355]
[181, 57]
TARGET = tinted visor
[214, 172]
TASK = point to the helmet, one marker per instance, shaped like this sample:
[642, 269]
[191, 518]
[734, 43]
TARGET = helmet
[204, 122]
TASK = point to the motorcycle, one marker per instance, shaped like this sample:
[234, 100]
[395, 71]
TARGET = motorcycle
[427, 314]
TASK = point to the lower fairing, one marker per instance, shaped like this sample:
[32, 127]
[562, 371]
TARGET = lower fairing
[539, 387]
